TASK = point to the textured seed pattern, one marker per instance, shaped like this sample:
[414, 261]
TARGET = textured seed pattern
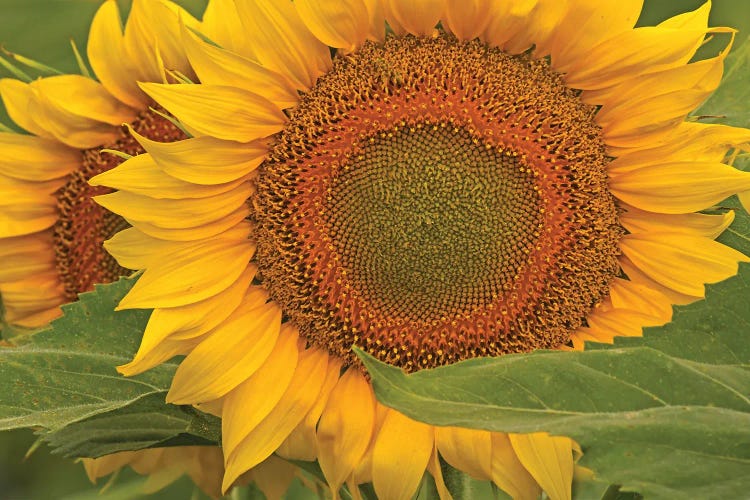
[83, 225]
[432, 201]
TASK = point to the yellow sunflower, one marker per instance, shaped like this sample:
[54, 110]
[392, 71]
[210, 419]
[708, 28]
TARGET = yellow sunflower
[482, 178]
[50, 230]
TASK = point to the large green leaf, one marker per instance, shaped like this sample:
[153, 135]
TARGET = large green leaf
[64, 381]
[729, 104]
[667, 415]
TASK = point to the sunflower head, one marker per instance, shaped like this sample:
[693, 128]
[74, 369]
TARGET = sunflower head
[50, 228]
[432, 200]
[483, 178]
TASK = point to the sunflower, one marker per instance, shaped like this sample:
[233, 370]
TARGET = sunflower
[50, 229]
[480, 178]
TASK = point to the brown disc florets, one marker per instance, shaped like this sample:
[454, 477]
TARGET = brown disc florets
[83, 225]
[433, 200]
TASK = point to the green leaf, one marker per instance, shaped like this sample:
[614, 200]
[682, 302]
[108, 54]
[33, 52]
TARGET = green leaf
[147, 423]
[667, 415]
[729, 104]
[64, 380]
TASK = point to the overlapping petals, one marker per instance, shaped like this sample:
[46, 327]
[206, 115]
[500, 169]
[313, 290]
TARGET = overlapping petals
[68, 114]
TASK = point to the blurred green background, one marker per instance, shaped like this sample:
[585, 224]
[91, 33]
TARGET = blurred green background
[42, 30]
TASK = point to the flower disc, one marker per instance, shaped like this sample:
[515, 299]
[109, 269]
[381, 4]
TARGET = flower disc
[432, 201]
[83, 225]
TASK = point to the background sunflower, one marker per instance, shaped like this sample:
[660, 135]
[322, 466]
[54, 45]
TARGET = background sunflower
[724, 13]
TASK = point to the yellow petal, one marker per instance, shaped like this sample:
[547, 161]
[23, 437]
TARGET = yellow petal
[468, 450]
[33, 301]
[692, 141]
[190, 275]
[508, 472]
[140, 49]
[282, 43]
[106, 465]
[26, 214]
[217, 66]
[345, 427]
[83, 98]
[105, 51]
[418, 17]
[16, 191]
[297, 400]
[376, 15]
[200, 232]
[586, 24]
[301, 443]
[745, 200]
[205, 160]
[639, 51]
[135, 250]
[36, 258]
[540, 23]
[141, 175]
[176, 214]
[227, 356]
[35, 159]
[681, 262]
[467, 19]
[709, 226]
[221, 24]
[147, 461]
[192, 321]
[33, 243]
[219, 111]
[17, 97]
[578, 339]
[678, 187]
[41, 108]
[161, 477]
[72, 130]
[692, 19]
[251, 401]
[37, 318]
[152, 39]
[399, 459]
[159, 354]
[548, 459]
[658, 108]
[362, 472]
[205, 466]
[433, 467]
[343, 24]
[630, 295]
[273, 476]
[637, 276]
[507, 19]
[607, 323]
[699, 76]
[81, 108]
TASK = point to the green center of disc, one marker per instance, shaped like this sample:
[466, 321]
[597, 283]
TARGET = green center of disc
[430, 222]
